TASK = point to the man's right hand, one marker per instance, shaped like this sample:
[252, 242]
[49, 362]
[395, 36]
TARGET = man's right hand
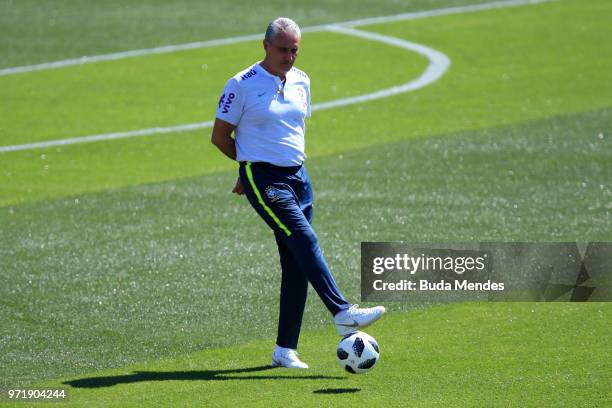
[238, 187]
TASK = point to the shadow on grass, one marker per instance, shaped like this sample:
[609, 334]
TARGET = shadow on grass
[203, 375]
[336, 390]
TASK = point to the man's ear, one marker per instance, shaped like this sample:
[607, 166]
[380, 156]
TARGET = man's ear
[265, 45]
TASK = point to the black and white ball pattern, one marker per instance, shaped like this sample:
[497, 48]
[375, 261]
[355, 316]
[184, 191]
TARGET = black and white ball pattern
[358, 352]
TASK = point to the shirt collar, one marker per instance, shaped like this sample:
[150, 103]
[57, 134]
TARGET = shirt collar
[276, 79]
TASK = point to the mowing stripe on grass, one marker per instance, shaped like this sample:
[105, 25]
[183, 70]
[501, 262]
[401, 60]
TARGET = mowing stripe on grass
[233, 40]
[438, 64]
[268, 210]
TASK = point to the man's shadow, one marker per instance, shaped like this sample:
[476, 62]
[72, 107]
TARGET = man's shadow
[201, 375]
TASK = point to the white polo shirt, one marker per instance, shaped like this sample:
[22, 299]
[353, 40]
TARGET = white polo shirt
[268, 116]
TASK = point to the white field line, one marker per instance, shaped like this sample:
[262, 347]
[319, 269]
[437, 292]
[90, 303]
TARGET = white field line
[107, 136]
[233, 40]
[439, 63]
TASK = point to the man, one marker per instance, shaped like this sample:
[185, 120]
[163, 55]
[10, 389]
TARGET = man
[265, 106]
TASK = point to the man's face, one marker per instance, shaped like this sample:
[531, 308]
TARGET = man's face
[282, 52]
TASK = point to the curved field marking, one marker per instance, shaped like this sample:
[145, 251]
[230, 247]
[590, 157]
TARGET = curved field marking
[432, 73]
[224, 41]
[438, 64]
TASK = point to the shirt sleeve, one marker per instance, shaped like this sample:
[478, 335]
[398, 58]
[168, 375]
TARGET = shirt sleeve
[231, 103]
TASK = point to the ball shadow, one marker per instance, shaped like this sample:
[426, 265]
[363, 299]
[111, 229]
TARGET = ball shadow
[336, 390]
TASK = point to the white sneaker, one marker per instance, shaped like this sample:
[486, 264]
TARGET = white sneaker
[355, 318]
[286, 357]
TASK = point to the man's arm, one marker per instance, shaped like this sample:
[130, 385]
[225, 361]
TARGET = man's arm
[222, 138]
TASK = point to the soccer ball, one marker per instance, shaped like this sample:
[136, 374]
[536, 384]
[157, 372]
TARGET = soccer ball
[358, 352]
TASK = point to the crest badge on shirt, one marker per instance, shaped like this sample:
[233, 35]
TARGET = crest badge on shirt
[303, 97]
[272, 193]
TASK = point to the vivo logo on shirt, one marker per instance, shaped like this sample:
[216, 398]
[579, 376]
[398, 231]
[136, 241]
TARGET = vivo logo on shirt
[248, 74]
[226, 103]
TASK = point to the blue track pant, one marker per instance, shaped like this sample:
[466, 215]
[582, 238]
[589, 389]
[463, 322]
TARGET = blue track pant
[283, 197]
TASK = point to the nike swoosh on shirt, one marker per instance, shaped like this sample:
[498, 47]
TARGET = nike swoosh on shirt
[261, 94]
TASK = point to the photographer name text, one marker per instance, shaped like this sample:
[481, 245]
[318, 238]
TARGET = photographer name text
[442, 285]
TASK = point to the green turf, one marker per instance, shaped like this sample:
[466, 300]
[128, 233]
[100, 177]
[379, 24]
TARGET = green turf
[114, 255]
[144, 272]
[32, 31]
[128, 94]
[509, 65]
[477, 355]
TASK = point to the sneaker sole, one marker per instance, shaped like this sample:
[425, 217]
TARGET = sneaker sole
[351, 329]
[277, 364]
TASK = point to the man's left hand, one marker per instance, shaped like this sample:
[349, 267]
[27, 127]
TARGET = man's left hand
[238, 187]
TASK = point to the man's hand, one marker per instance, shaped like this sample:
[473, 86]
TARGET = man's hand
[238, 187]
[222, 138]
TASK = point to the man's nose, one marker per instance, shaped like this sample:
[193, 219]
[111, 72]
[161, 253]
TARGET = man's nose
[290, 57]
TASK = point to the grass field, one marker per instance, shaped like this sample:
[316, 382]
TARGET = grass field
[462, 355]
[128, 268]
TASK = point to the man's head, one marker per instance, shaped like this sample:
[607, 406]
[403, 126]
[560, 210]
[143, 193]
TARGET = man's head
[282, 44]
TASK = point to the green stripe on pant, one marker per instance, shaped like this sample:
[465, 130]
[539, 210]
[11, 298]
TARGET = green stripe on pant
[268, 210]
